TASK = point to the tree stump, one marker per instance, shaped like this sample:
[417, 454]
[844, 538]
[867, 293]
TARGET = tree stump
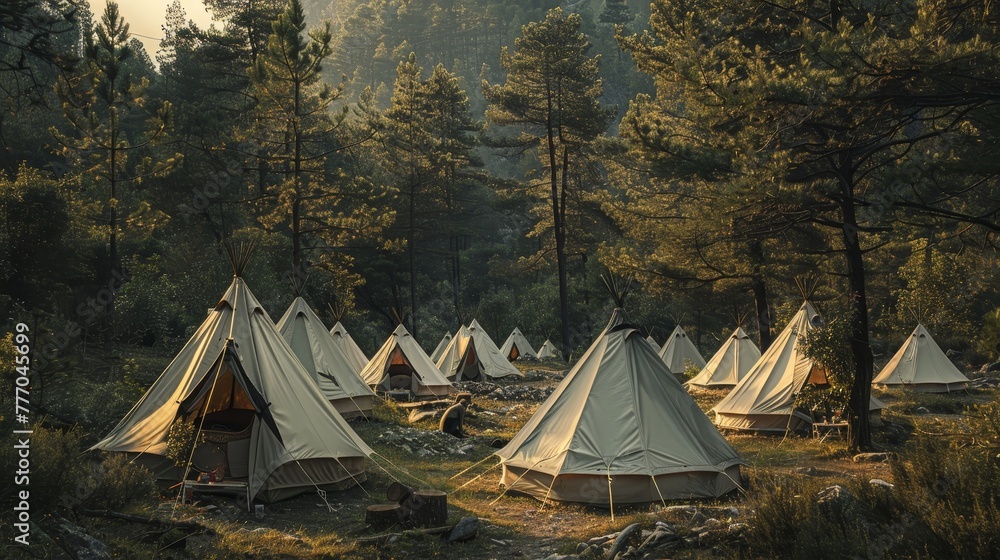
[428, 508]
[397, 492]
[383, 516]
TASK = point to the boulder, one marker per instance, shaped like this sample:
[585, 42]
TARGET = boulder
[464, 530]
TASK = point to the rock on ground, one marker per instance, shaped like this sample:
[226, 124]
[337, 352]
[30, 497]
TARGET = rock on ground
[464, 530]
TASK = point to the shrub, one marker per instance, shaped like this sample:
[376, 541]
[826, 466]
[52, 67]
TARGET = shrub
[121, 483]
[56, 466]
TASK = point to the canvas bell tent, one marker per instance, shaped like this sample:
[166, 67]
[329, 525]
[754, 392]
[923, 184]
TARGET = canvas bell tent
[473, 356]
[350, 349]
[401, 364]
[733, 360]
[441, 347]
[517, 346]
[619, 429]
[652, 342]
[548, 351]
[921, 365]
[241, 386]
[316, 348]
[679, 353]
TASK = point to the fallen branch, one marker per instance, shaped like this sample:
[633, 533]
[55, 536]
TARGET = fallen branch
[377, 540]
[146, 520]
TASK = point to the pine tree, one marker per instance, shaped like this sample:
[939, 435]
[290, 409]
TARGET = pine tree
[551, 93]
[297, 135]
[104, 104]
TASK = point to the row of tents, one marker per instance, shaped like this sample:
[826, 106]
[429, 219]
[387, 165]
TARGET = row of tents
[273, 398]
[619, 428]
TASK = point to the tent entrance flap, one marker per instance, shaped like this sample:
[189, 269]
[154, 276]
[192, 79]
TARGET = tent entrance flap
[234, 392]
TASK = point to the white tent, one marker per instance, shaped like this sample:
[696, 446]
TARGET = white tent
[679, 352]
[316, 348]
[440, 348]
[619, 429]
[764, 399]
[401, 364]
[652, 342]
[922, 366]
[473, 356]
[548, 351]
[733, 360]
[238, 380]
[517, 346]
[351, 350]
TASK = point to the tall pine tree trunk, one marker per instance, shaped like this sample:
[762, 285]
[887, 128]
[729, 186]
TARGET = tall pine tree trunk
[560, 234]
[411, 242]
[760, 300]
[859, 434]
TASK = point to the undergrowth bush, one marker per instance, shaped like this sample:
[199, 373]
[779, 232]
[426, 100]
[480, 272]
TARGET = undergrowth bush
[121, 483]
[944, 505]
[56, 466]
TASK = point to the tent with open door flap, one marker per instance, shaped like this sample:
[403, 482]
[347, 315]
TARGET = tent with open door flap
[322, 357]
[401, 364]
[619, 429]
[255, 405]
[473, 356]
[517, 346]
[733, 360]
[920, 365]
[680, 353]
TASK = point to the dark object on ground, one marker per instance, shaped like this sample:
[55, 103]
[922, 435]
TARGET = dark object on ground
[498, 443]
[465, 530]
[383, 516]
[453, 420]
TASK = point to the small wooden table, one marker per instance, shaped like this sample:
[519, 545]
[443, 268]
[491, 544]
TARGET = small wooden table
[228, 485]
[823, 430]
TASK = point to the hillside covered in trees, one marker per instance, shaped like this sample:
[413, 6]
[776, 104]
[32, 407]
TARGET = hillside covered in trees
[456, 159]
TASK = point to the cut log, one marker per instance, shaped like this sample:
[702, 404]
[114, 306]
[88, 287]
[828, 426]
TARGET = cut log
[398, 492]
[383, 516]
[428, 508]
